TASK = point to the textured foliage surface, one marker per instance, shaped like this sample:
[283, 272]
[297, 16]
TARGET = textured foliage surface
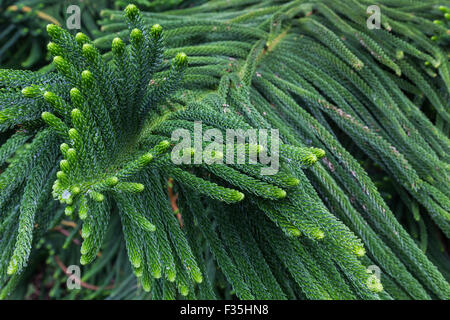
[363, 117]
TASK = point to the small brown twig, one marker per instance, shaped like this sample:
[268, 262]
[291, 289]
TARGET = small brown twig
[40, 14]
[66, 233]
[82, 283]
[173, 202]
[69, 223]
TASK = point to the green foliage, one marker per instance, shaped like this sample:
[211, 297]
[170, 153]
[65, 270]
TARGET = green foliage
[364, 154]
[23, 36]
[158, 5]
